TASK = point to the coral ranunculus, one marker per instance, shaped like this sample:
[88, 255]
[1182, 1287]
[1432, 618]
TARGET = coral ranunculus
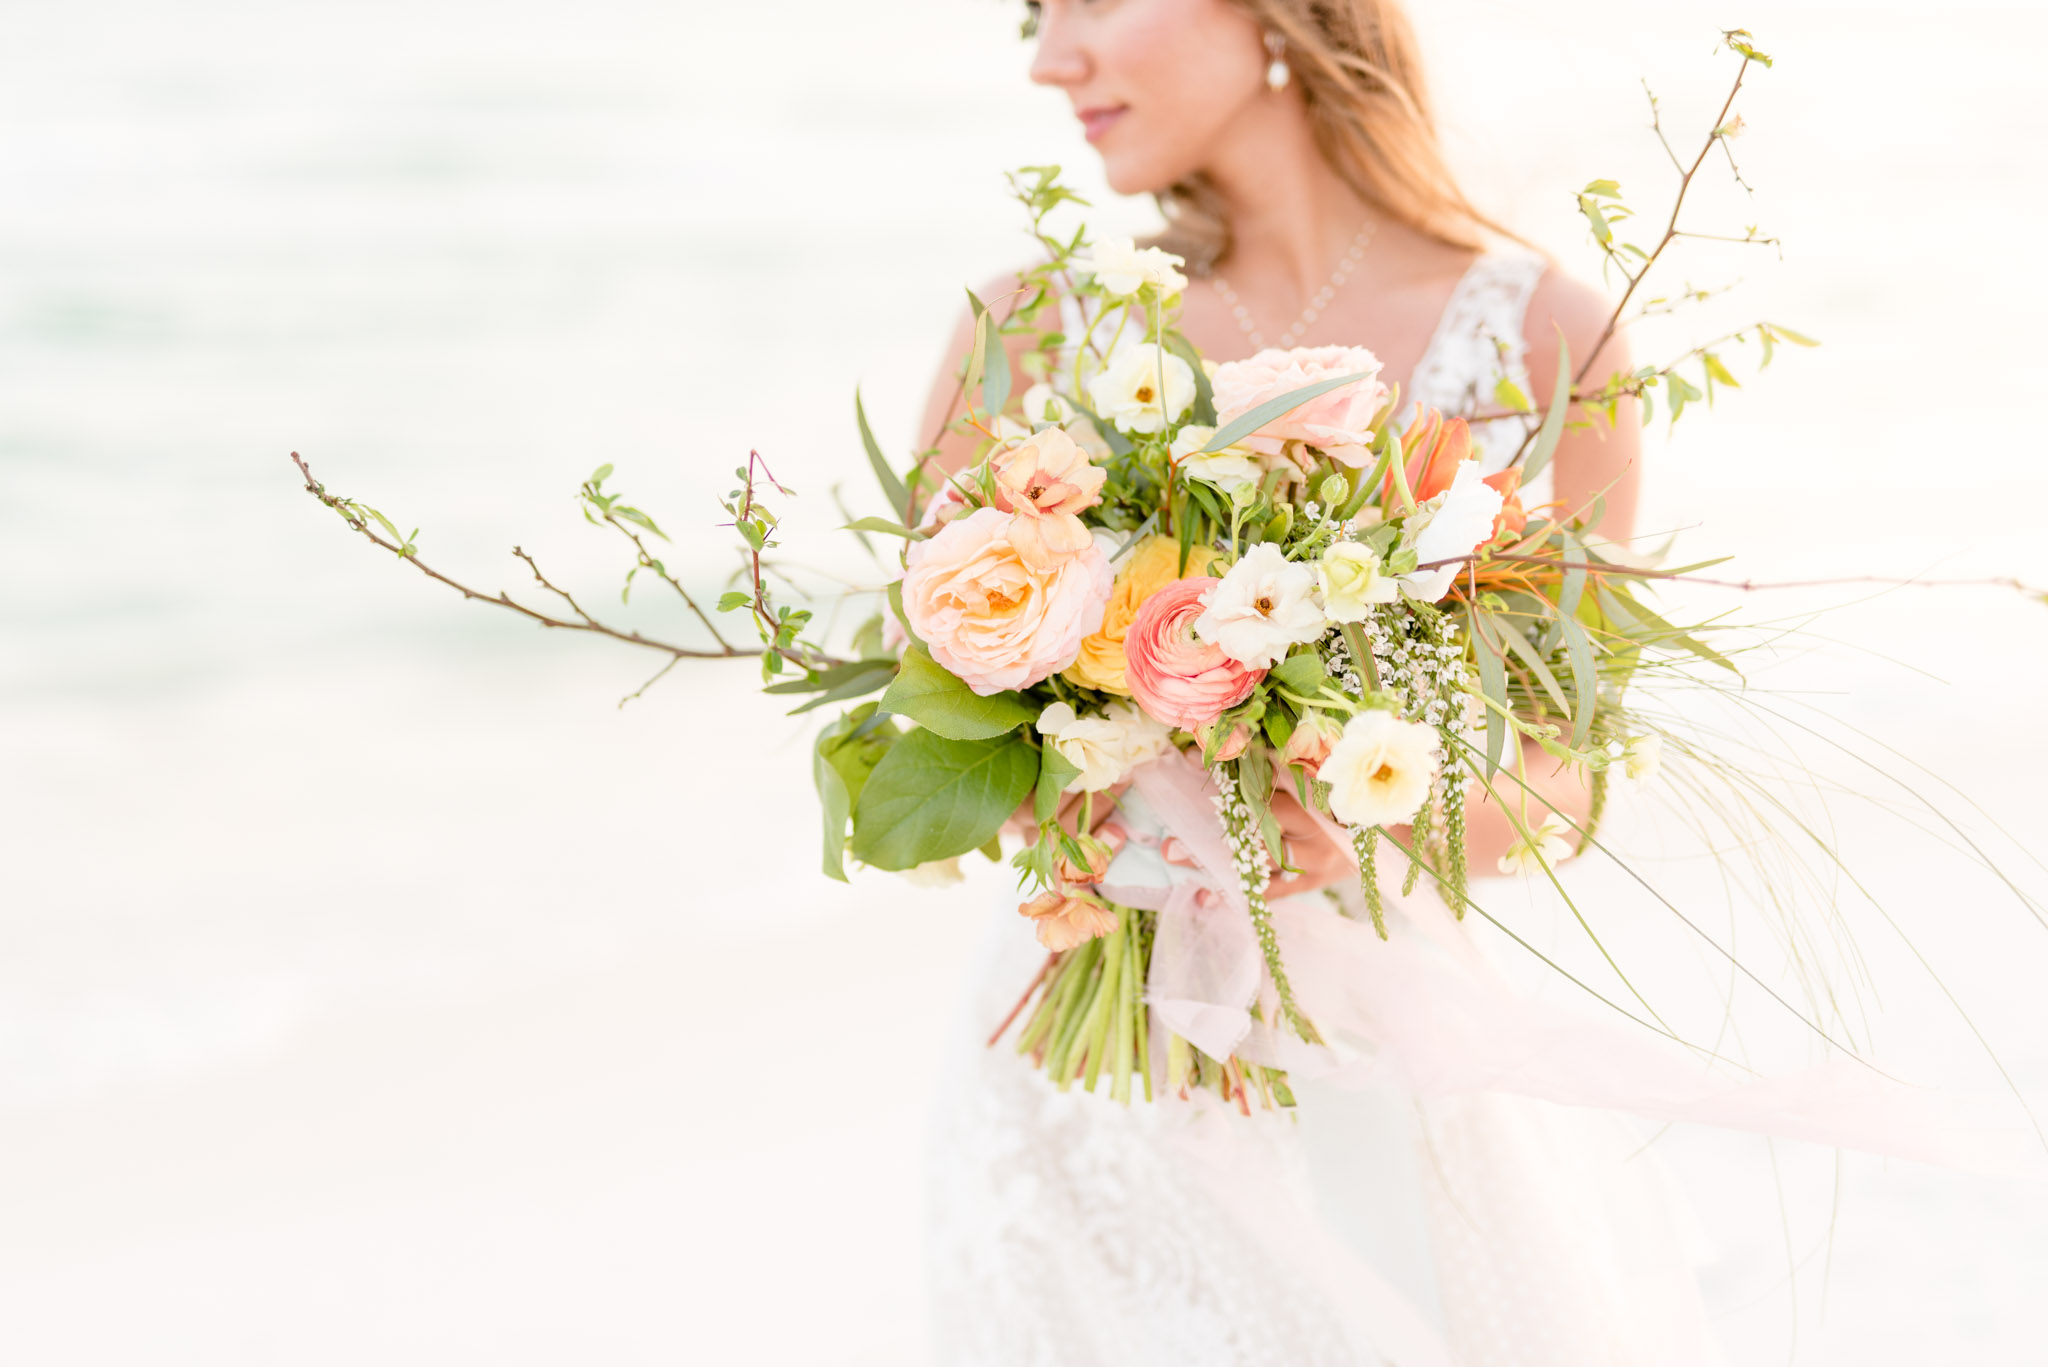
[1174, 675]
[989, 615]
[1151, 566]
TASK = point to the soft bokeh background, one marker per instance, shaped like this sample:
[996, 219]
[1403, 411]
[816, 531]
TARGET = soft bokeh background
[372, 987]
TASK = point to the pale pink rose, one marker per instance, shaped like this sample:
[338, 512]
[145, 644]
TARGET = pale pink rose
[1174, 675]
[1337, 423]
[989, 615]
[1065, 921]
[1047, 481]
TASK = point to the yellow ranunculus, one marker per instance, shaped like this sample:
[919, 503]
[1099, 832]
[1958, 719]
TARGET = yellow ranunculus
[1151, 566]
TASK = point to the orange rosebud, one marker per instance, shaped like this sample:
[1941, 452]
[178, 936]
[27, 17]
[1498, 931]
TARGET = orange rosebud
[1101, 848]
[1431, 450]
[1512, 519]
[1065, 921]
[1232, 745]
[1308, 745]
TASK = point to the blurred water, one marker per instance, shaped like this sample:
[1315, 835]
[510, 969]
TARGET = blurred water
[371, 985]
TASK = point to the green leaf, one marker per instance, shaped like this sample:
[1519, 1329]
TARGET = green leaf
[1509, 395]
[1493, 682]
[1055, 772]
[892, 487]
[1519, 644]
[1585, 678]
[600, 474]
[1606, 189]
[1718, 371]
[896, 607]
[876, 676]
[995, 380]
[885, 527]
[1553, 419]
[1204, 411]
[977, 358]
[844, 756]
[727, 603]
[1301, 673]
[1242, 427]
[934, 798]
[1785, 334]
[934, 698]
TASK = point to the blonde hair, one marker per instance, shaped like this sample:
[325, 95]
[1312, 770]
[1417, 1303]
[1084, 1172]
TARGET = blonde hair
[1359, 70]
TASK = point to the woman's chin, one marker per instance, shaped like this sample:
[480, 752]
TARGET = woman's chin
[1135, 175]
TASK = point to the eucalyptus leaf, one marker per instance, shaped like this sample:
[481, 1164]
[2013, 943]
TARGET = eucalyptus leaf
[1244, 426]
[1553, 418]
[885, 527]
[1204, 411]
[995, 378]
[933, 798]
[1493, 682]
[1585, 679]
[892, 487]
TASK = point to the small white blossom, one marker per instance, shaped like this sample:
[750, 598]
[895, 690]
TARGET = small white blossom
[1127, 392]
[1263, 605]
[938, 873]
[1380, 769]
[1120, 267]
[1541, 849]
[1643, 756]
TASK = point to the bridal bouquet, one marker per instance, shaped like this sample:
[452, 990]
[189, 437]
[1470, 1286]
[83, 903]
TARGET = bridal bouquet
[1239, 606]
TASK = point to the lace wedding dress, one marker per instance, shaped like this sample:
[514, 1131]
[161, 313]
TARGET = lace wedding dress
[1369, 1226]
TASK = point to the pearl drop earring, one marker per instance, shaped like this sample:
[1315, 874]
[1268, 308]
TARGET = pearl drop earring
[1277, 73]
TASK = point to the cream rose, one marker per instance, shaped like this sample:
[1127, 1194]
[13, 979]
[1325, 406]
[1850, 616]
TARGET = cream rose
[1379, 770]
[991, 617]
[1349, 578]
[1105, 749]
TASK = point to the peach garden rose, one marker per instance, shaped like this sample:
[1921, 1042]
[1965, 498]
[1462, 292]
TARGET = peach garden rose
[991, 616]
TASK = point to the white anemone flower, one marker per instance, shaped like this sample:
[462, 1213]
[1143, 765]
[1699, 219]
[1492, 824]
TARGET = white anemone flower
[1380, 769]
[1543, 848]
[1265, 604]
[1121, 268]
[1127, 392]
[1454, 523]
[1105, 749]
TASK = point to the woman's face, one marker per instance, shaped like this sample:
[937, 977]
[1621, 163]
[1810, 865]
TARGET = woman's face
[1154, 82]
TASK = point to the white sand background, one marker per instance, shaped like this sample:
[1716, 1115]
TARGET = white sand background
[372, 989]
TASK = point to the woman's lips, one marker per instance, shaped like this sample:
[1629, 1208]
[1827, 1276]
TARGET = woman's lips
[1096, 122]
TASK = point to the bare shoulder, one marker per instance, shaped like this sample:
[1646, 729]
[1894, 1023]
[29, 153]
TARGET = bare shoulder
[1563, 305]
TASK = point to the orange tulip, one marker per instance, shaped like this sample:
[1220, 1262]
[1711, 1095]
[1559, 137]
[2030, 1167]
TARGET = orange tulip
[1431, 450]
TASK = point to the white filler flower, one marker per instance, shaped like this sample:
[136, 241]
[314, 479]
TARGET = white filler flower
[1127, 392]
[1379, 769]
[1265, 604]
[1229, 470]
[1643, 757]
[1104, 749]
[1351, 582]
[1541, 849]
[1122, 268]
[1452, 524]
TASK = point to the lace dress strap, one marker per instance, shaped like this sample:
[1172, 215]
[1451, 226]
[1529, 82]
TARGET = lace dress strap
[1477, 343]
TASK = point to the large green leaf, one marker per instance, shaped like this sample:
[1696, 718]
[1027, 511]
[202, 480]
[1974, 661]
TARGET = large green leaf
[934, 798]
[1055, 772]
[842, 760]
[1243, 427]
[937, 700]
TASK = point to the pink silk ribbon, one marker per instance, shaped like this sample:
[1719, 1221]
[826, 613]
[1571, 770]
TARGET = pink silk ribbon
[1428, 1011]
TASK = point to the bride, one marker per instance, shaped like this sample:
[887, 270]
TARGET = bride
[1290, 145]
